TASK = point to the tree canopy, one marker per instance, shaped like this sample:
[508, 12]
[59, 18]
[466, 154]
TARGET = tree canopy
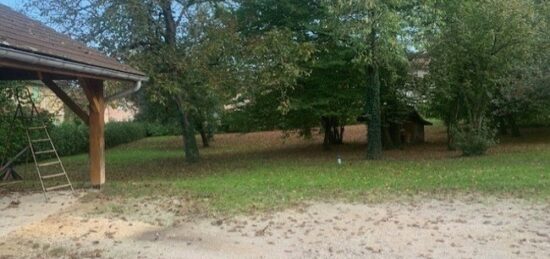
[303, 65]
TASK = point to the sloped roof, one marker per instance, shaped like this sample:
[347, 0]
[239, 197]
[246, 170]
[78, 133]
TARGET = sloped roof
[20, 33]
[414, 116]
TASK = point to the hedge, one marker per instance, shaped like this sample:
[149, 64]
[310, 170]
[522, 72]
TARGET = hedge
[70, 139]
[157, 129]
[117, 133]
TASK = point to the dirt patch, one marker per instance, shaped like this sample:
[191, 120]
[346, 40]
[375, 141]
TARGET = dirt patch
[18, 210]
[491, 228]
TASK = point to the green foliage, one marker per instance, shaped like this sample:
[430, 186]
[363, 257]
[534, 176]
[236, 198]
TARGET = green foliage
[12, 131]
[117, 133]
[375, 31]
[481, 61]
[158, 130]
[187, 48]
[474, 141]
[258, 16]
[12, 137]
[5, 119]
[305, 74]
[296, 65]
[70, 138]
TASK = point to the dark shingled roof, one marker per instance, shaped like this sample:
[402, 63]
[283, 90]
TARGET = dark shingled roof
[19, 32]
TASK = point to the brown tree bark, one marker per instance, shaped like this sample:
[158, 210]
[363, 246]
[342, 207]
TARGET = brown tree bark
[204, 136]
[334, 132]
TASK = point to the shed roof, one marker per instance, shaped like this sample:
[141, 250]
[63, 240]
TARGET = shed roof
[415, 117]
[24, 36]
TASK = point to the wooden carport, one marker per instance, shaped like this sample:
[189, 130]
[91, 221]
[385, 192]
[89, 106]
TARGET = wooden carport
[31, 51]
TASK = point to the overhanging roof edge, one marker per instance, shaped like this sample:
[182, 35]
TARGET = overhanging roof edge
[65, 65]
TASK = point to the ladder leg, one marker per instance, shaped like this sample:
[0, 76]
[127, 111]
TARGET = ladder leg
[60, 163]
[31, 126]
[36, 165]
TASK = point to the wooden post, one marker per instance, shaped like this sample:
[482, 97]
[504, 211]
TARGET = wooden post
[94, 92]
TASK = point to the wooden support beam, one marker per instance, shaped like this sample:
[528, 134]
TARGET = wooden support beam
[93, 89]
[67, 100]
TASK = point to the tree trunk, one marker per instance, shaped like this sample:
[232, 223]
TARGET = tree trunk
[327, 140]
[186, 120]
[374, 122]
[188, 134]
[170, 23]
[204, 136]
[341, 135]
[334, 132]
[449, 137]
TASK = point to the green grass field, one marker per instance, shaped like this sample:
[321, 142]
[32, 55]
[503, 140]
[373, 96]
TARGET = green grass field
[262, 171]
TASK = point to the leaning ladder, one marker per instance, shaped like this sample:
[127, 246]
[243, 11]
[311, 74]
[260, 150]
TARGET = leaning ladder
[55, 162]
[37, 135]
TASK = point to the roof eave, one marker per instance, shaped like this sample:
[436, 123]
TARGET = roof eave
[70, 66]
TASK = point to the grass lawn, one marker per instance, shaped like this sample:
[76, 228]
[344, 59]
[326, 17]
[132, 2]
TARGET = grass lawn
[261, 171]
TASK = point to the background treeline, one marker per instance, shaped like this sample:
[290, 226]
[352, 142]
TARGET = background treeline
[245, 65]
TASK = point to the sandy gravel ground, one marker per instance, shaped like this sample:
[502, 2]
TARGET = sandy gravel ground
[426, 228]
[18, 210]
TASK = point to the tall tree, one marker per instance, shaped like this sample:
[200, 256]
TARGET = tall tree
[178, 43]
[481, 54]
[278, 51]
[372, 28]
[325, 92]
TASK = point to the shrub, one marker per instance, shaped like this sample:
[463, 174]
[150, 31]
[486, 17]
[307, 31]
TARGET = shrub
[69, 138]
[474, 141]
[12, 137]
[157, 129]
[117, 133]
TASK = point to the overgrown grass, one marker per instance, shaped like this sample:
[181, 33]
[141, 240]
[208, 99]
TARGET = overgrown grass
[261, 171]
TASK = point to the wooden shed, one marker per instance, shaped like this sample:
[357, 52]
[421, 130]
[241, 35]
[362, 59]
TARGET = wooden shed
[412, 129]
[409, 130]
[30, 50]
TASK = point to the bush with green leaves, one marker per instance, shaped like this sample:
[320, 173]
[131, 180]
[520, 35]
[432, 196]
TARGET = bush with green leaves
[70, 138]
[474, 141]
[158, 129]
[117, 133]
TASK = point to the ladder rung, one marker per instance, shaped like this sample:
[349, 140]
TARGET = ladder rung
[36, 128]
[52, 176]
[44, 152]
[49, 163]
[40, 140]
[58, 187]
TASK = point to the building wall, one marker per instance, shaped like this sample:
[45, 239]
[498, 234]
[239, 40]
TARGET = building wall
[46, 100]
[413, 133]
[118, 113]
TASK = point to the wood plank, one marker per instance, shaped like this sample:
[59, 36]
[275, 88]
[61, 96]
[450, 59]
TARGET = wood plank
[67, 100]
[94, 92]
[58, 187]
[7, 164]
